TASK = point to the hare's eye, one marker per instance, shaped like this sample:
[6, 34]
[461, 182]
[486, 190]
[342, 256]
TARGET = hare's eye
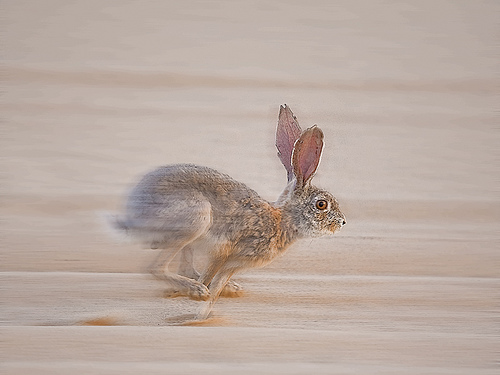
[321, 204]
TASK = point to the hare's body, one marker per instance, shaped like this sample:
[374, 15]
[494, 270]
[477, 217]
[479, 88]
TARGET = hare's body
[177, 206]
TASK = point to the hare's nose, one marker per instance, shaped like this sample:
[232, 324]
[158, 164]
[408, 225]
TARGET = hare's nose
[344, 222]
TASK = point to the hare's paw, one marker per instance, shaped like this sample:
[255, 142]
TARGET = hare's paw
[187, 288]
[198, 292]
[232, 290]
[173, 293]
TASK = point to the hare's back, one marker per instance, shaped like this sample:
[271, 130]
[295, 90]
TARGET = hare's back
[170, 188]
[188, 178]
[184, 201]
[177, 203]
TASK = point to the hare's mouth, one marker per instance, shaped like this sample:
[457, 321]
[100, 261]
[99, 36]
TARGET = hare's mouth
[334, 227]
[337, 225]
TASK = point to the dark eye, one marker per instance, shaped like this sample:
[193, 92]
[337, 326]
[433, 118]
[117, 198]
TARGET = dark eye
[321, 204]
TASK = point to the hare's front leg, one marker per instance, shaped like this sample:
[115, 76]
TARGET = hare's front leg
[232, 290]
[216, 286]
[187, 268]
[178, 285]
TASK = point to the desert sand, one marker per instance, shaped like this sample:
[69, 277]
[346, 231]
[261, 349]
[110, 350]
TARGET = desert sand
[94, 94]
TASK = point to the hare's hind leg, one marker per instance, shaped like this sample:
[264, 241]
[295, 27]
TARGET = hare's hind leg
[178, 226]
[186, 266]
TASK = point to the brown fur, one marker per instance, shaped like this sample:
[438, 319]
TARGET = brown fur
[176, 206]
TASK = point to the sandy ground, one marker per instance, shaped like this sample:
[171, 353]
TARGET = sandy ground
[95, 95]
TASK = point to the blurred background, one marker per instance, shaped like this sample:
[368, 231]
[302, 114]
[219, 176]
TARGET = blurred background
[96, 93]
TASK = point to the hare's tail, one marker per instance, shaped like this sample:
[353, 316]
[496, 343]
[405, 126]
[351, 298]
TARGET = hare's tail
[115, 225]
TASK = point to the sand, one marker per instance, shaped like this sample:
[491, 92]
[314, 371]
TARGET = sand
[95, 95]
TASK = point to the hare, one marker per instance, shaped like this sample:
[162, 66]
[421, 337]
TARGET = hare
[184, 206]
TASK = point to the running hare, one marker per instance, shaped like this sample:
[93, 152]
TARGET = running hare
[178, 207]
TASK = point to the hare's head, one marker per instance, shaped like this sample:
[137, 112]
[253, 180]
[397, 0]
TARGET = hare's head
[313, 211]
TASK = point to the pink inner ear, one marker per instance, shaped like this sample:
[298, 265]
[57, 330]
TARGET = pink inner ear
[287, 132]
[307, 153]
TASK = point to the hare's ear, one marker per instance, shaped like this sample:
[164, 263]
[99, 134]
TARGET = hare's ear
[287, 132]
[307, 154]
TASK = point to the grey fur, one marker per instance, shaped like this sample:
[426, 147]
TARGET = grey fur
[176, 206]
